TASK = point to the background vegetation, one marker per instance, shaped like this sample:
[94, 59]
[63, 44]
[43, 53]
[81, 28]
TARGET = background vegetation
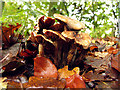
[100, 17]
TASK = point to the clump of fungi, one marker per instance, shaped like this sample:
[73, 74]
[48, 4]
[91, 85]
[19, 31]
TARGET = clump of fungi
[62, 42]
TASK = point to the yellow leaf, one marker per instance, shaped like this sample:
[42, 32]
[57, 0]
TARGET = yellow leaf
[65, 73]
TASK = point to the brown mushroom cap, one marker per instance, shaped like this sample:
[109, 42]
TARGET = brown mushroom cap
[71, 23]
[53, 35]
[83, 39]
[48, 45]
[42, 39]
[69, 34]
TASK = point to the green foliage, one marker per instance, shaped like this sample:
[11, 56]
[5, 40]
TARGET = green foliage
[93, 14]
[24, 14]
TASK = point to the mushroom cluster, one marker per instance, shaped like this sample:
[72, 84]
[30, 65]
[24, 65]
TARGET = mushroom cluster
[62, 42]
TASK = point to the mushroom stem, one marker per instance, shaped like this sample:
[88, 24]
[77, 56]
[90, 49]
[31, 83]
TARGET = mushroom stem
[65, 50]
[41, 50]
[58, 48]
[74, 56]
[71, 54]
[56, 54]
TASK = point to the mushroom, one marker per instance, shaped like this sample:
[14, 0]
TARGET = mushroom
[71, 23]
[69, 34]
[53, 35]
[78, 51]
[83, 39]
[79, 40]
[70, 46]
[59, 42]
[48, 45]
[45, 24]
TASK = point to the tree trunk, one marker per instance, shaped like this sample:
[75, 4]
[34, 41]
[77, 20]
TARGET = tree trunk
[51, 10]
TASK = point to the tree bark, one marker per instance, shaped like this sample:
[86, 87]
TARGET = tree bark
[51, 11]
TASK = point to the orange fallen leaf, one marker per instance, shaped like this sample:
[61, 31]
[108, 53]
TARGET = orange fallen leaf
[112, 50]
[65, 73]
[75, 81]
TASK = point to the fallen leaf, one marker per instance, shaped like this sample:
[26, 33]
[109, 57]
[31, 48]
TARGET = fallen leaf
[44, 67]
[92, 76]
[65, 73]
[75, 81]
[99, 63]
[108, 85]
[13, 68]
[112, 73]
[8, 34]
[72, 77]
[112, 50]
[115, 62]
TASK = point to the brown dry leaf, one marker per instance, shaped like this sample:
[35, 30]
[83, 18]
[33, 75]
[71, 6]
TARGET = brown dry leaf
[65, 73]
[112, 40]
[75, 81]
[112, 73]
[113, 85]
[115, 62]
[99, 63]
[28, 53]
[8, 34]
[44, 67]
[14, 67]
[92, 76]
